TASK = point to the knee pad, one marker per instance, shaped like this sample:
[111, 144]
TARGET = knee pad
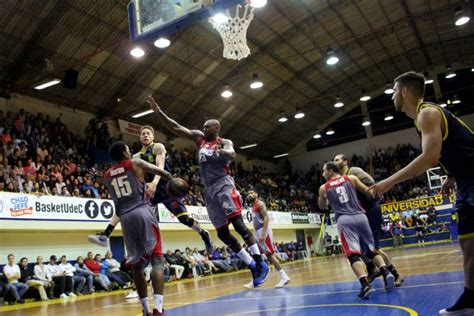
[225, 235]
[158, 263]
[353, 258]
[239, 226]
[185, 219]
[371, 254]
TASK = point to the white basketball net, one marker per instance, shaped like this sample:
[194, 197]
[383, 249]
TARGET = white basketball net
[234, 32]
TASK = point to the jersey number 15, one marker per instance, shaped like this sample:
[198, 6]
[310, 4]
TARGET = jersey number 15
[122, 186]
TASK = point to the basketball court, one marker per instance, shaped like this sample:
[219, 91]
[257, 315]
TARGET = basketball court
[277, 73]
[325, 286]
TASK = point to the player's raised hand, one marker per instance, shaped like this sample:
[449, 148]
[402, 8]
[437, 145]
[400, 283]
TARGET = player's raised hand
[153, 104]
[381, 187]
[448, 186]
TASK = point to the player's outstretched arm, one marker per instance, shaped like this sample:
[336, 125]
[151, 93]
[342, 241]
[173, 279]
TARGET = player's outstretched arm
[171, 124]
[429, 124]
[150, 168]
[323, 198]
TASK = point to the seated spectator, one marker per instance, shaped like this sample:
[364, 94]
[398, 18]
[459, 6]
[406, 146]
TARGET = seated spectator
[43, 274]
[62, 281]
[219, 260]
[83, 271]
[173, 262]
[13, 274]
[114, 273]
[204, 260]
[28, 277]
[77, 281]
[197, 269]
[8, 291]
[94, 265]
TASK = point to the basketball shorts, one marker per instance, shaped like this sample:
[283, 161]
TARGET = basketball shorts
[266, 246]
[465, 207]
[141, 235]
[175, 206]
[374, 215]
[223, 201]
[355, 233]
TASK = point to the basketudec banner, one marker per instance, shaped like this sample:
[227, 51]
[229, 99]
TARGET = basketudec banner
[20, 206]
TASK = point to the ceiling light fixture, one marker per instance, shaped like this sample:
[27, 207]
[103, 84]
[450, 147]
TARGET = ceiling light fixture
[460, 17]
[47, 84]
[248, 146]
[388, 88]
[366, 121]
[258, 3]
[317, 135]
[256, 82]
[142, 113]
[449, 73]
[281, 155]
[330, 131]
[364, 96]
[428, 79]
[162, 42]
[137, 52]
[226, 93]
[299, 114]
[456, 100]
[282, 118]
[339, 103]
[332, 58]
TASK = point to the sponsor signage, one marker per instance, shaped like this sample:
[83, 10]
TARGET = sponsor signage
[314, 218]
[299, 218]
[129, 128]
[401, 206]
[48, 207]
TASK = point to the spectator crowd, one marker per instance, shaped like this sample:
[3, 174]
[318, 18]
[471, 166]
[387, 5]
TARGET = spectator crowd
[86, 275]
[39, 155]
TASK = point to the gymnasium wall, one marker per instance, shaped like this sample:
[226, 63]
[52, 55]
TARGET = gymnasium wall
[302, 160]
[31, 244]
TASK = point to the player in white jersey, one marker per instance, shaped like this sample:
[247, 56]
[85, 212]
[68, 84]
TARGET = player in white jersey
[264, 234]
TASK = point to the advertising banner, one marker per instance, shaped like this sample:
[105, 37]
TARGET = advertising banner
[401, 206]
[54, 208]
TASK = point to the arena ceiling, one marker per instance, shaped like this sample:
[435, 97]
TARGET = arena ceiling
[375, 40]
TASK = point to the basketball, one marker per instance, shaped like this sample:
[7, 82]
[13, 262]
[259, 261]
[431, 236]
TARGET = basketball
[177, 188]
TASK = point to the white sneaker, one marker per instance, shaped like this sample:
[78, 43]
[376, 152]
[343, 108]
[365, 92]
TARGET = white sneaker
[72, 295]
[249, 285]
[63, 295]
[282, 283]
[132, 294]
[100, 240]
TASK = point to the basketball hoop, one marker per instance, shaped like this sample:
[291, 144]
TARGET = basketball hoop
[234, 32]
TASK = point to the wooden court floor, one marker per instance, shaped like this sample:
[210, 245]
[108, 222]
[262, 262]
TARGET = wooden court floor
[184, 298]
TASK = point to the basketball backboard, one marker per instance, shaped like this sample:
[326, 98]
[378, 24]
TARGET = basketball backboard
[151, 19]
[436, 177]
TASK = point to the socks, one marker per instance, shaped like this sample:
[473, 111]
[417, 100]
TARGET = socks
[283, 275]
[394, 271]
[244, 255]
[158, 302]
[254, 249]
[363, 281]
[109, 230]
[145, 305]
